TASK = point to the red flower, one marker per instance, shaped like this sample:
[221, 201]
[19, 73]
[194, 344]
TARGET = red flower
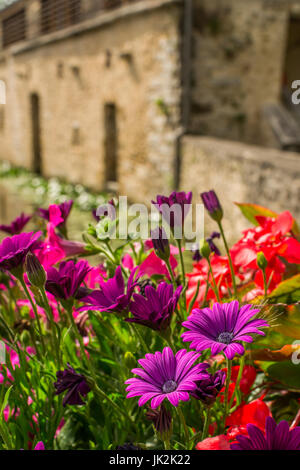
[273, 238]
[247, 380]
[255, 412]
[221, 272]
[214, 443]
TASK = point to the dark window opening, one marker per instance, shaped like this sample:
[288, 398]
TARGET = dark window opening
[14, 28]
[110, 142]
[58, 14]
[36, 134]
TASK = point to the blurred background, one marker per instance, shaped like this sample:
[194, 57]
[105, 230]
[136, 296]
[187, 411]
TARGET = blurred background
[140, 97]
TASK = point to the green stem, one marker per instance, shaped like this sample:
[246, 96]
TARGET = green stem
[103, 395]
[52, 324]
[167, 444]
[171, 273]
[95, 387]
[215, 287]
[226, 404]
[238, 380]
[33, 305]
[138, 334]
[206, 424]
[229, 259]
[80, 341]
[206, 292]
[193, 299]
[181, 262]
[265, 283]
[182, 420]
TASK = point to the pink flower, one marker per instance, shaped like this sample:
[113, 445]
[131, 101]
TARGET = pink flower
[39, 446]
[95, 276]
[154, 265]
[55, 248]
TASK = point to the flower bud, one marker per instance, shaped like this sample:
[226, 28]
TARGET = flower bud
[204, 248]
[160, 243]
[261, 260]
[129, 360]
[162, 421]
[35, 271]
[212, 205]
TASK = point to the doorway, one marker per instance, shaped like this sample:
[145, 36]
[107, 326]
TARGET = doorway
[36, 133]
[110, 143]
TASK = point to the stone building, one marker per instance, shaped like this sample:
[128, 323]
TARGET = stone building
[139, 95]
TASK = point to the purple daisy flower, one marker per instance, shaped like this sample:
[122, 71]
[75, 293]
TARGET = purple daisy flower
[208, 389]
[156, 307]
[65, 282]
[74, 383]
[17, 225]
[166, 376]
[174, 215]
[276, 437]
[64, 207]
[112, 296]
[13, 250]
[222, 328]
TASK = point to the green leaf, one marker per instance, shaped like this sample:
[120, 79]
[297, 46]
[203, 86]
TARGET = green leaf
[287, 291]
[250, 211]
[5, 399]
[286, 372]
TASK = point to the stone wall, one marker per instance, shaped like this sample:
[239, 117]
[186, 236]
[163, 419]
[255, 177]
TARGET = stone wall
[238, 62]
[240, 173]
[129, 57]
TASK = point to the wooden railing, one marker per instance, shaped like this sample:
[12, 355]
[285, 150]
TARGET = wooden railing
[54, 15]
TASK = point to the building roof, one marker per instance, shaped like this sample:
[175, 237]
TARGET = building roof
[6, 3]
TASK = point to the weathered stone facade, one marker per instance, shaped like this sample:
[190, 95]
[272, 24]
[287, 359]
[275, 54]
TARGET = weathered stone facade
[129, 57]
[240, 173]
[167, 69]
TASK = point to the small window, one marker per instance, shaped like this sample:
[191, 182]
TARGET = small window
[14, 28]
[58, 14]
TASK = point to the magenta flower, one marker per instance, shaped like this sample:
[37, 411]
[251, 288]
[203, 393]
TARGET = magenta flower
[156, 308]
[276, 437]
[222, 328]
[56, 248]
[57, 214]
[112, 296]
[17, 225]
[75, 384]
[40, 446]
[174, 208]
[13, 250]
[166, 376]
[65, 282]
